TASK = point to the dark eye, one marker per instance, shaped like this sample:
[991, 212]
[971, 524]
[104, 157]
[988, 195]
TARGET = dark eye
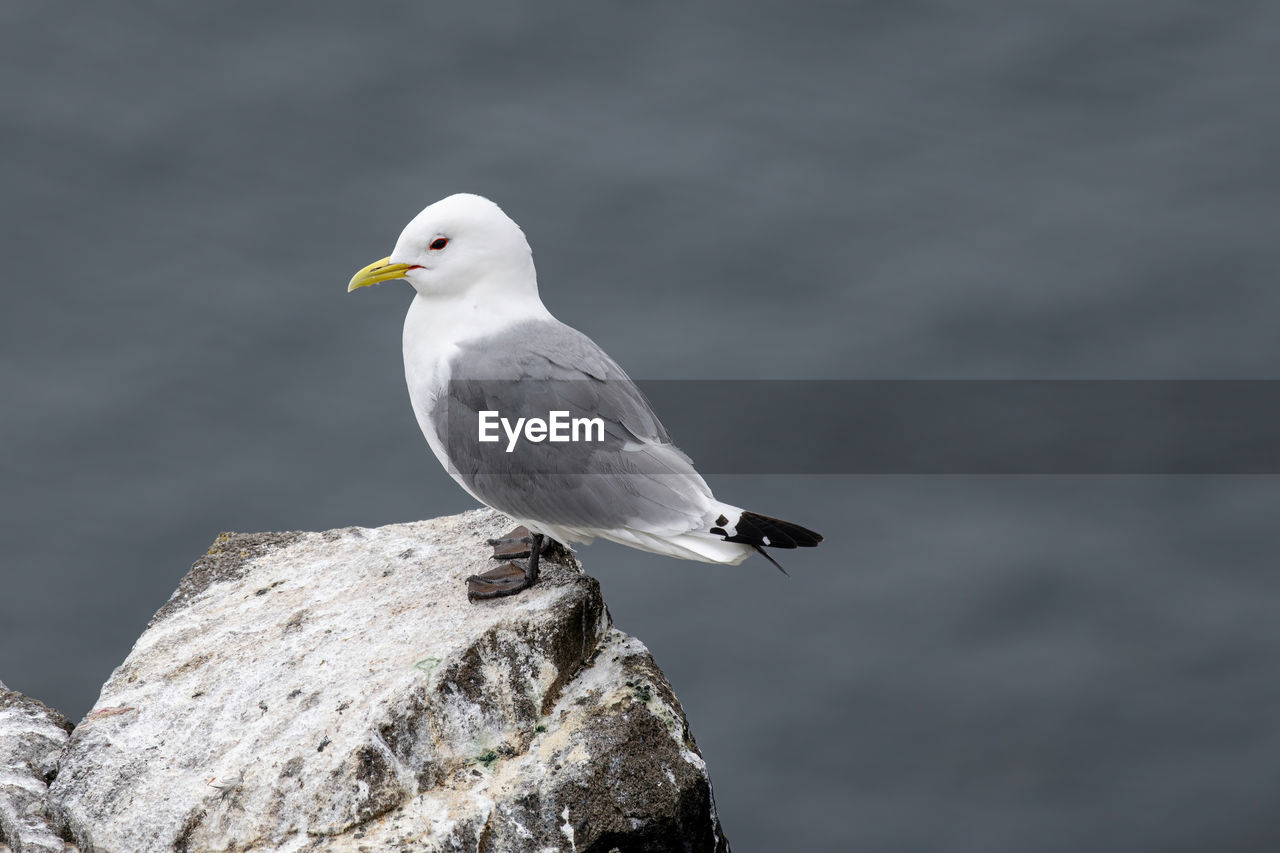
[439, 243]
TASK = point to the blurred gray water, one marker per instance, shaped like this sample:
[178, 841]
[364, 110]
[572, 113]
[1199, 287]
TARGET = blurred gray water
[713, 191]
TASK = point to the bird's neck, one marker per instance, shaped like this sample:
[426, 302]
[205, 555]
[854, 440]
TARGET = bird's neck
[438, 323]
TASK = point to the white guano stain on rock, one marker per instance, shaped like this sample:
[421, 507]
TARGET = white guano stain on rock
[567, 829]
[333, 691]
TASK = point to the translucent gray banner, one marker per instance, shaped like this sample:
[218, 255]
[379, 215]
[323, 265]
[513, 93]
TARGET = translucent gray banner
[909, 426]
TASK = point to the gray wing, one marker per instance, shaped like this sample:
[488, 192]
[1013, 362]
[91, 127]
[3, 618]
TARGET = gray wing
[632, 477]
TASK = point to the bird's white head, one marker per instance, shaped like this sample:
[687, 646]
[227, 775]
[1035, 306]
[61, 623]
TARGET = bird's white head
[456, 245]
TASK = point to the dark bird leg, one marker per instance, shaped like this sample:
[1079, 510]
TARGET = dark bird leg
[535, 554]
[509, 578]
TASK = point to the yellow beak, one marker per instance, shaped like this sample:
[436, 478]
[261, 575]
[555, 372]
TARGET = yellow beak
[376, 273]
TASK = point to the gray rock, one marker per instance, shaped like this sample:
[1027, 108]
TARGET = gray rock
[336, 691]
[32, 737]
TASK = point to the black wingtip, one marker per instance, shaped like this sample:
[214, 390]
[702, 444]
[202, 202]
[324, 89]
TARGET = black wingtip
[755, 529]
[776, 564]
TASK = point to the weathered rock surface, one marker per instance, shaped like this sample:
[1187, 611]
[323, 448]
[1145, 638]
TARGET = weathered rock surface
[336, 691]
[32, 737]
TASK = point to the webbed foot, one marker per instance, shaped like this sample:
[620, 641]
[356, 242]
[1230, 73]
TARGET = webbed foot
[509, 578]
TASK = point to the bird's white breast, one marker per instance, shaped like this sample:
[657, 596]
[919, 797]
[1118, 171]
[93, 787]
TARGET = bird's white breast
[435, 328]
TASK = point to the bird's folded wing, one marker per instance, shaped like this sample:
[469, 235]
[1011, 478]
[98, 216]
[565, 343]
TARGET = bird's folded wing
[632, 477]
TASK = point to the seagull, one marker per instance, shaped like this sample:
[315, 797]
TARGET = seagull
[481, 353]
